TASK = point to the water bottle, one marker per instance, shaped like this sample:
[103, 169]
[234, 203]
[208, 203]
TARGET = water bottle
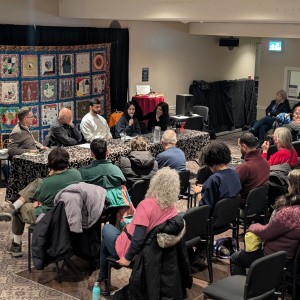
[96, 291]
[156, 134]
[178, 126]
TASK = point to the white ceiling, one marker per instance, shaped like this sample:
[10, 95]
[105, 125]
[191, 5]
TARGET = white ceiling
[203, 16]
[241, 11]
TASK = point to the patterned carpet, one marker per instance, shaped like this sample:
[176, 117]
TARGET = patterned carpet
[17, 283]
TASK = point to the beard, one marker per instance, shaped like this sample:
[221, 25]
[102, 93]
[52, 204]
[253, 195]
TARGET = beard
[96, 112]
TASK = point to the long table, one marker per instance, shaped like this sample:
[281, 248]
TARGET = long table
[26, 167]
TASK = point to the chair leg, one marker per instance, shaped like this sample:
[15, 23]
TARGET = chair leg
[209, 261]
[29, 250]
[58, 273]
[109, 277]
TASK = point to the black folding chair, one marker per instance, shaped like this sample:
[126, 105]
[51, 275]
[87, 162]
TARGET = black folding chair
[185, 186]
[256, 206]
[264, 277]
[197, 231]
[138, 191]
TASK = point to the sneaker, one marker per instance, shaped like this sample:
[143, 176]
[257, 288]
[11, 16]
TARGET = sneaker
[14, 249]
[7, 210]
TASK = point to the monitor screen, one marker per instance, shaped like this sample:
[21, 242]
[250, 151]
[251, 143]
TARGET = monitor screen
[275, 46]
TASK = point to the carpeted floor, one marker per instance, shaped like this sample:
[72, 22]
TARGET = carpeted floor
[17, 283]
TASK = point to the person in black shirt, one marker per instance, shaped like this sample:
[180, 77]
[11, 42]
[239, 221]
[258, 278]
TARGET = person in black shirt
[277, 106]
[158, 117]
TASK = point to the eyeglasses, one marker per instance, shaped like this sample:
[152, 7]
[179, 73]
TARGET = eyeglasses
[30, 117]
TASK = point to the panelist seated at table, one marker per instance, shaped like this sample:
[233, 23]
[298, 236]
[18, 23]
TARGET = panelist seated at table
[37, 197]
[93, 125]
[62, 131]
[128, 123]
[172, 156]
[21, 139]
[158, 117]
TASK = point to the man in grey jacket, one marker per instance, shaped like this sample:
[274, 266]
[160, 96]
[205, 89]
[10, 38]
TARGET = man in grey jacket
[21, 139]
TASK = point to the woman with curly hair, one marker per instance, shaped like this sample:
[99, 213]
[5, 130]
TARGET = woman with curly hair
[224, 182]
[157, 207]
[282, 233]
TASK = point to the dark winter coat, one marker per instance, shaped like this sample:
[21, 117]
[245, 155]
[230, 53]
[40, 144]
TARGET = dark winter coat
[51, 238]
[161, 270]
[281, 108]
[138, 165]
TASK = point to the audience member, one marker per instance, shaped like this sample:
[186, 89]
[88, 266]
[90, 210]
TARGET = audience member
[290, 121]
[37, 197]
[172, 156]
[286, 153]
[93, 125]
[277, 106]
[281, 233]
[224, 183]
[104, 173]
[20, 139]
[255, 170]
[128, 123]
[158, 117]
[155, 209]
[62, 131]
[140, 164]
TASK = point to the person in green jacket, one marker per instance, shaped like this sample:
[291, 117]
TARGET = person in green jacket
[104, 173]
[37, 197]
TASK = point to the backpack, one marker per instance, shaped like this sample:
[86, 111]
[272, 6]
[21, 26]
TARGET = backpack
[225, 247]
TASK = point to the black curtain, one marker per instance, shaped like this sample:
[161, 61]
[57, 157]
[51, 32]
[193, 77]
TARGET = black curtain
[23, 35]
[232, 103]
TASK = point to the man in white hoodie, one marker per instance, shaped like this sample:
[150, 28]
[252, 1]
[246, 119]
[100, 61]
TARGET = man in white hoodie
[93, 125]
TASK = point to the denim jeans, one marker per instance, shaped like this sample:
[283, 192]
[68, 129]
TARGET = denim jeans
[241, 260]
[109, 236]
[262, 126]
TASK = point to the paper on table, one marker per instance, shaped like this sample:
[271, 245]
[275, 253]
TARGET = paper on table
[127, 138]
[86, 146]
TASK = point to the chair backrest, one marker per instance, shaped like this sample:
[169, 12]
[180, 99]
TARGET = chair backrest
[138, 191]
[196, 222]
[296, 145]
[265, 275]
[225, 212]
[272, 149]
[184, 177]
[257, 200]
[202, 111]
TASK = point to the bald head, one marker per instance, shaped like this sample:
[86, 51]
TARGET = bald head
[168, 138]
[65, 116]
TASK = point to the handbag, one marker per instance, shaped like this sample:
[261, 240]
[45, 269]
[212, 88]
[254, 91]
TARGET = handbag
[252, 242]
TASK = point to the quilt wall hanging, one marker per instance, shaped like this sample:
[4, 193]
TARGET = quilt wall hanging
[48, 78]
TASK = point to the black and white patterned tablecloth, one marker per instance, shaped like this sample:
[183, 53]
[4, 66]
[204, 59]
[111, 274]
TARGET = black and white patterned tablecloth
[25, 168]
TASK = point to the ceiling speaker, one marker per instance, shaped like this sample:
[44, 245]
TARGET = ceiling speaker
[229, 42]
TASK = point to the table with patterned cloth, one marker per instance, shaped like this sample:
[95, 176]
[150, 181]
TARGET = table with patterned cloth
[26, 167]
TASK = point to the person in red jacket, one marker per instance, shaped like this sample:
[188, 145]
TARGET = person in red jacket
[286, 153]
[282, 233]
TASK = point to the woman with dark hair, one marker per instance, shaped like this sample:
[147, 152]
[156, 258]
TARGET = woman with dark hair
[279, 105]
[158, 117]
[128, 123]
[282, 233]
[37, 197]
[224, 182]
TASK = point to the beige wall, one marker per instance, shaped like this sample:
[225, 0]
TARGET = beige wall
[272, 69]
[174, 57]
